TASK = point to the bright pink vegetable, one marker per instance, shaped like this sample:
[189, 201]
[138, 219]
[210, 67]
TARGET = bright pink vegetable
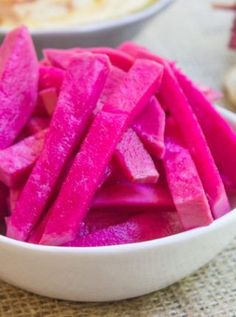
[220, 136]
[134, 160]
[139, 228]
[114, 80]
[118, 58]
[50, 77]
[150, 127]
[49, 99]
[81, 88]
[16, 162]
[184, 182]
[191, 130]
[63, 58]
[90, 163]
[36, 124]
[18, 84]
[133, 197]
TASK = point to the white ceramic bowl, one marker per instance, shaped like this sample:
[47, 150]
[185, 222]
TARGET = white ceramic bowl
[110, 33]
[114, 272]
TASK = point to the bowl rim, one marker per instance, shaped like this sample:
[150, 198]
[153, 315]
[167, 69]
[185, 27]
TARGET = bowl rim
[127, 20]
[138, 246]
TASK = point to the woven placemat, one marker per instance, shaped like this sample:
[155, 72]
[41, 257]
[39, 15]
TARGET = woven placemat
[196, 36]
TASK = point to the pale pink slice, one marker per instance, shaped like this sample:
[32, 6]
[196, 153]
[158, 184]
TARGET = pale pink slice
[134, 160]
[63, 58]
[144, 227]
[87, 171]
[191, 130]
[118, 58]
[36, 124]
[150, 127]
[220, 136]
[133, 197]
[18, 84]
[17, 161]
[49, 99]
[81, 88]
[184, 182]
[50, 77]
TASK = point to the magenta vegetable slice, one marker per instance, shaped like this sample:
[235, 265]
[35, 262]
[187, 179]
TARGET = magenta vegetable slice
[81, 89]
[114, 80]
[150, 127]
[134, 160]
[50, 77]
[63, 58]
[191, 130]
[118, 58]
[132, 96]
[220, 136]
[90, 164]
[17, 161]
[139, 228]
[133, 197]
[84, 177]
[18, 84]
[184, 182]
[49, 99]
[36, 124]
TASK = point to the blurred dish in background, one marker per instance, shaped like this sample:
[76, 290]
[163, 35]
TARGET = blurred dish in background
[47, 13]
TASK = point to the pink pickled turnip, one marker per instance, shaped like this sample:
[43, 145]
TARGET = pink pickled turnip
[63, 58]
[220, 136]
[80, 91]
[49, 99]
[50, 77]
[36, 124]
[18, 84]
[184, 182]
[134, 160]
[17, 161]
[150, 127]
[89, 166]
[144, 227]
[118, 58]
[133, 197]
[174, 100]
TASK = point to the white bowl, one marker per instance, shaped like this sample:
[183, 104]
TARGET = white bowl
[110, 33]
[113, 272]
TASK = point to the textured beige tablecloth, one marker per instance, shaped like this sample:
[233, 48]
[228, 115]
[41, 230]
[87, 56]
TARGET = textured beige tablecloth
[196, 36]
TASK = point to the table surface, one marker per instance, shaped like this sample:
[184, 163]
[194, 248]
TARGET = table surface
[196, 36]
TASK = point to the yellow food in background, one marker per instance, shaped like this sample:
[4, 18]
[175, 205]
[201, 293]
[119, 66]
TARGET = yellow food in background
[59, 13]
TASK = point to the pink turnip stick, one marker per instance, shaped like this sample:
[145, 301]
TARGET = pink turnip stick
[18, 84]
[81, 89]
